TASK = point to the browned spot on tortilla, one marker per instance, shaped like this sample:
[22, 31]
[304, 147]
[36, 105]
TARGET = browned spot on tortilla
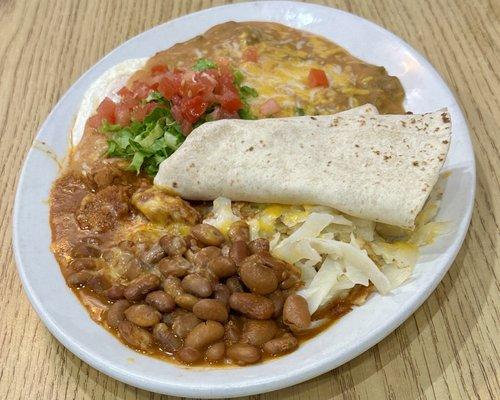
[386, 158]
[445, 117]
[409, 112]
[174, 184]
[313, 118]
[445, 142]
[415, 163]
[377, 152]
[250, 148]
[356, 145]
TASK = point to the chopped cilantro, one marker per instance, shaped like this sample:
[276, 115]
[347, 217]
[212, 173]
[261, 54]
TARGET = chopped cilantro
[246, 91]
[202, 64]
[299, 111]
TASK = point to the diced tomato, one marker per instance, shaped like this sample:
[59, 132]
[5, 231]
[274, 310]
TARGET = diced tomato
[251, 54]
[269, 107]
[230, 101]
[122, 114]
[170, 85]
[140, 89]
[158, 69]
[94, 122]
[128, 97]
[317, 77]
[192, 109]
[106, 111]
[141, 111]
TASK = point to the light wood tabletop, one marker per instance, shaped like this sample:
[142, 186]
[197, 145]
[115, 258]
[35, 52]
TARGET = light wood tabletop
[449, 349]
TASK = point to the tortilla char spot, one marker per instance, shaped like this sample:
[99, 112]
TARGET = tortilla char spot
[386, 157]
[377, 152]
[403, 123]
[329, 163]
[409, 112]
[445, 117]
[356, 145]
[250, 148]
[415, 163]
[445, 142]
[174, 184]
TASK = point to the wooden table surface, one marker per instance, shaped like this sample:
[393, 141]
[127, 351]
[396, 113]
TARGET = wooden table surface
[449, 349]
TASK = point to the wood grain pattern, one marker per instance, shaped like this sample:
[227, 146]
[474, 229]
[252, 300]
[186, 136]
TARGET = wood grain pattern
[449, 349]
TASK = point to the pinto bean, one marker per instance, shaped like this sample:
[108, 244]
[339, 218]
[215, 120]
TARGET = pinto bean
[116, 312]
[280, 345]
[257, 277]
[242, 353]
[258, 245]
[143, 315]
[232, 332]
[202, 257]
[296, 312]
[239, 230]
[222, 267]
[211, 309]
[176, 266]
[197, 285]
[99, 282]
[134, 269]
[172, 286]
[278, 300]
[222, 293]
[289, 282]
[173, 245]
[204, 334]
[80, 264]
[79, 278]
[115, 292]
[135, 336]
[239, 251]
[186, 301]
[215, 352]
[257, 332]
[153, 255]
[160, 300]
[189, 355]
[84, 250]
[141, 286]
[170, 317]
[278, 266]
[207, 234]
[252, 305]
[167, 340]
[234, 285]
[184, 323]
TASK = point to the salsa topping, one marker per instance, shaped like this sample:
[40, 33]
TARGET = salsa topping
[153, 116]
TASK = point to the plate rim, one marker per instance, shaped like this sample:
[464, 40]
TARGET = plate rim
[393, 323]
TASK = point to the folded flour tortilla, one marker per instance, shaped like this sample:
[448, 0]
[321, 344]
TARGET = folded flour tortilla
[376, 167]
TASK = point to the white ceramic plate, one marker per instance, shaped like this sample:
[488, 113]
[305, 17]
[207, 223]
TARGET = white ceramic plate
[353, 334]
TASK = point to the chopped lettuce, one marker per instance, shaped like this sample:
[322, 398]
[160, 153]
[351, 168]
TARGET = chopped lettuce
[146, 144]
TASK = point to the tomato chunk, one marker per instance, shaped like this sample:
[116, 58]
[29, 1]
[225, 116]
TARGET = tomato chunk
[192, 109]
[317, 77]
[270, 107]
[105, 111]
[251, 54]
